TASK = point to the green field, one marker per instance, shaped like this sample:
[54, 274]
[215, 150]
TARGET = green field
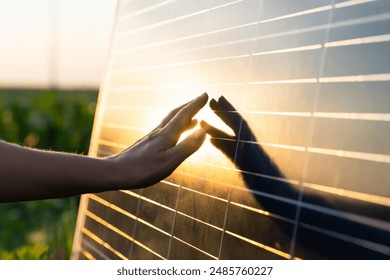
[51, 120]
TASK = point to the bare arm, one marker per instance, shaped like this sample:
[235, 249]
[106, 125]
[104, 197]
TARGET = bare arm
[29, 174]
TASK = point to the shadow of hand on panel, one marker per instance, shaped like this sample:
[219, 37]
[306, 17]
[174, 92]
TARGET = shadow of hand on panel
[319, 235]
[259, 172]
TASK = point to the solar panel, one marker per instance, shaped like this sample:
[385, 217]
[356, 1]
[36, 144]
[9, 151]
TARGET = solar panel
[302, 169]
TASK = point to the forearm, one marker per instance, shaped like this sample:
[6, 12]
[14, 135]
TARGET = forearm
[28, 174]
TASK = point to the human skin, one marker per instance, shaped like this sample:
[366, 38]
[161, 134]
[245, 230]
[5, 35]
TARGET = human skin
[31, 174]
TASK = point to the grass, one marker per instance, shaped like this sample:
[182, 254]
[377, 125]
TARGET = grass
[45, 119]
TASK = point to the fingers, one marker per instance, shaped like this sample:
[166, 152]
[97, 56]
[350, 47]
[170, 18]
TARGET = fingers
[213, 131]
[223, 141]
[186, 147]
[228, 114]
[166, 120]
[214, 105]
[225, 105]
[171, 114]
[183, 119]
[192, 124]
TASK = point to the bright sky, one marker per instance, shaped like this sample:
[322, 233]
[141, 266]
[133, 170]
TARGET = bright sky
[39, 47]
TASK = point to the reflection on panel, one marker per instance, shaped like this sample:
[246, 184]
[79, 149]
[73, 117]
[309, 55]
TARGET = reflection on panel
[301, 169]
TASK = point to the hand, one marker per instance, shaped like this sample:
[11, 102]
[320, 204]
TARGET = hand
[158, 154]
[227, 113]
[241, 148]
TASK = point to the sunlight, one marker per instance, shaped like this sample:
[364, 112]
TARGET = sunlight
[54, 42]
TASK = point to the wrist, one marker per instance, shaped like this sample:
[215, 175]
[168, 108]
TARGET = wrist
[117, 173]
[102, 176]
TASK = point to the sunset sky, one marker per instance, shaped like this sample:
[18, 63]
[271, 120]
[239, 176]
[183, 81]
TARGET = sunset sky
[54, 42]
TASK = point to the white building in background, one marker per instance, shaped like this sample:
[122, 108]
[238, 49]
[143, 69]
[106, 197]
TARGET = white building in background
[61, 43]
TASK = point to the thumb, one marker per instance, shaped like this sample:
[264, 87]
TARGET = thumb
[187, 147]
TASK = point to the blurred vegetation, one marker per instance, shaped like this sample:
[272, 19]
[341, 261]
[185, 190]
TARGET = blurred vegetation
[51, 120]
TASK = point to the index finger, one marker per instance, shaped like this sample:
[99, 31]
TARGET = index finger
[171, 114]
[183, 118]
